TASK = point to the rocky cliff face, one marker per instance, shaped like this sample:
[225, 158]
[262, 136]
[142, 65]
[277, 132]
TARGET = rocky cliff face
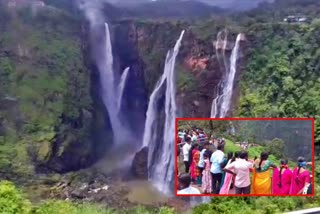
[51, 113]
[48, 118]
[198, 69]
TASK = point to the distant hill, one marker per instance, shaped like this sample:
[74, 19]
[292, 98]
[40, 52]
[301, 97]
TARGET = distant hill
[235, 4]
[171, 9]
[305, 6]
[147, 9]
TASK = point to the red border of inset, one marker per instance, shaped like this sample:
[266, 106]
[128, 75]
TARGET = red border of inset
[245, 195]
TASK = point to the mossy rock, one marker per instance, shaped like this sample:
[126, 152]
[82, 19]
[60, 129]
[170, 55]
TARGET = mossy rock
[46, 136]
[52, 179]
[44, 152]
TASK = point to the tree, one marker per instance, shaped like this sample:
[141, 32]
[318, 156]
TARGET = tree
[276, 147]
[12, 201]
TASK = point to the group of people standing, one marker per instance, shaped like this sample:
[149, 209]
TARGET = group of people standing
[208, 170]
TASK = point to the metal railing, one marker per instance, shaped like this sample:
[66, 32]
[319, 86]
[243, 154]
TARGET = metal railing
[306, 211]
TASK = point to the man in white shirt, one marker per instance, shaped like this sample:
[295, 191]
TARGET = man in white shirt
[241, 169]
[184, 185]
[216, 172]
[185, 150]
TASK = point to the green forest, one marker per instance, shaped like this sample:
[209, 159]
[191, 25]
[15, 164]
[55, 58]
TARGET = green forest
[51, 118]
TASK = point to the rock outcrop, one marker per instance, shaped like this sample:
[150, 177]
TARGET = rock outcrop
[198, 69]
[139, 166]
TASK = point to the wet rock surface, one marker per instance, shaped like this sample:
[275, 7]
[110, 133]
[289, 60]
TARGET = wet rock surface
[139, 166]
[105, 190]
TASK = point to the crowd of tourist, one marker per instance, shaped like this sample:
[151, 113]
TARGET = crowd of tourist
[208, 170]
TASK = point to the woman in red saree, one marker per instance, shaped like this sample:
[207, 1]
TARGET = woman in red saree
[281, 179]
[300, 177]
[194, 170]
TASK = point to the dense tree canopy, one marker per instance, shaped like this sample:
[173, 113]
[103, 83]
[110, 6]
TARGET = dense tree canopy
[282, 78]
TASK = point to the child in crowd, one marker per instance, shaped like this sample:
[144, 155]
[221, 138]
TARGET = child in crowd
[206, 175]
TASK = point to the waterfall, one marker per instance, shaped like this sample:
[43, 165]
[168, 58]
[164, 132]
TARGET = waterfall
[161, 160]
[109, 62]
[221, 104]
[110, 91]
[226, 101]
[123, 81]
[151, 132]
[221, 45]
[149, 137]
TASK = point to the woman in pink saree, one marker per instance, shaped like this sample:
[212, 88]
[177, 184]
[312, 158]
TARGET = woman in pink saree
[281, 179]
[300, 177]
[228, 184]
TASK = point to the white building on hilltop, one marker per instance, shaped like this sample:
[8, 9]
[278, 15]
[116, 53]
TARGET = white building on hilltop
[296, 19]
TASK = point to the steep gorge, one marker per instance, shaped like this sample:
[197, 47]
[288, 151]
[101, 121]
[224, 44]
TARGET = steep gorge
[52, 115]
[80, 131]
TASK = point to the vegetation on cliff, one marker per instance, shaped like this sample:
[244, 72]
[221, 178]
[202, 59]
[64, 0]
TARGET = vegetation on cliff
[45, 114]
[282, 74]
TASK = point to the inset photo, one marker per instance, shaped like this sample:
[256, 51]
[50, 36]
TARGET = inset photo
[244, 157]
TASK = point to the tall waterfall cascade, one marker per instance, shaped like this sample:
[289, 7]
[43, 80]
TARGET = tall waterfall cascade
[160, 159]
[123, 81]
[112, 89]
[222, 102]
